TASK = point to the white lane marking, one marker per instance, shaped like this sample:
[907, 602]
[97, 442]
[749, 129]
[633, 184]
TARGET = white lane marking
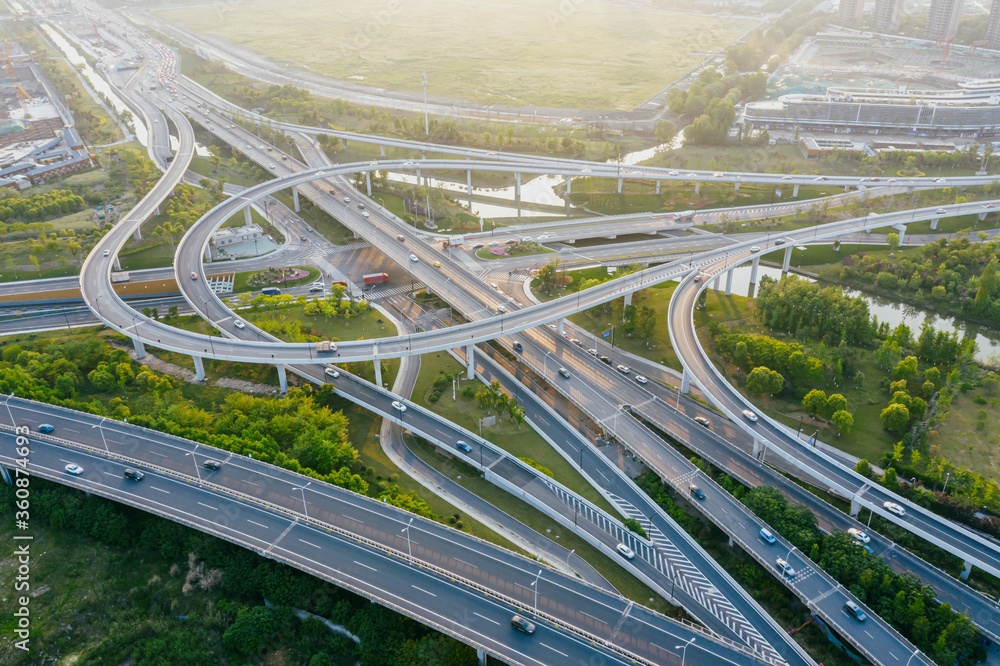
[163, 491]
[869, 634]
[256, 523]
[423, 590]
[361, 522]
[207, 506]
[592, 617]
[308, 544]
[111, 474]
[553, 649]
[465, 563]
[488, 619]
[360, 564]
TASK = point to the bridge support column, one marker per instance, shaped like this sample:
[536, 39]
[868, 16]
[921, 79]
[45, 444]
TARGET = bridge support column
[468, 181]
[517, 192]
[855, 506]
[208, 253]
[715, 283]
[756, 448]
[753, 270]
[117, 263]
[697, 187]
[381, 149]
[137, 234]
[199, 368]
[481, 656]
[788, 259]
[295, 197]
[620, 179]
[934, 223]
[686, 381]
[628, 298]
[658, 186]
[470, 359]
[795, 190]
[736, 187]
[562, 323]
[418, 175]
[247, 217]
[282, 378]
[982, 216]
[368, 181]
[901, 228]
[569, 185]
[378, 372]
[729, 281]
[966, 571]
[6, 475]
[140, 349]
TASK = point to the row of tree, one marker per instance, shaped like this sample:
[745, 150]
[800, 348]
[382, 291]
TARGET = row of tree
[40, 206]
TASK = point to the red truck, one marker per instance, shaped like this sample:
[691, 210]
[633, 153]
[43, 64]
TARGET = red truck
[376, 278]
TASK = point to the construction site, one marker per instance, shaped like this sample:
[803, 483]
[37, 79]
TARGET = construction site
[30, 109]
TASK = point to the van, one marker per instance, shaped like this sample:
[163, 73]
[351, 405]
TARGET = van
[766, 536]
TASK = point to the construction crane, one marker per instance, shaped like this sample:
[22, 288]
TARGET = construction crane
[22, 94]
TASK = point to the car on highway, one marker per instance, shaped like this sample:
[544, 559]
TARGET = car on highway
[622, 369]
[551, 327]
[134, 474]
[238, 324]
[332, 372]
[249, 147]
[526, 239]
[107, 252]
[45, 427]
[749, 416]
[576, 341]
[478, 246]
[284, 157]
[463, 445]
[364, 213]
[989, 206]
[564, 373]
[717, 174]
[212, 465]
[855, 611]
[859, 535]
[437, 264]
[625, 551]
[940, 211]
[494, 243]
[315, 289]
[780, 241]
[702, 421]
[754, 250]
[361, 206]
[413, 257]
[786, 178]
[194, 276]
[592, 352]
[347, 199]
[398, 406]
[74, 469]
[501, 309]
[673, 173]
[892, 507]
[564, 334]
[605, 359]
[518, 347]
[270, 166]
[641, 379]
[696, 491]
[522, 625]
[785, 568]
[766, 536]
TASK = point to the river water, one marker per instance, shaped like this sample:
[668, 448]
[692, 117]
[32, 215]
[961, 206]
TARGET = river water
[987, 340]
[96, 82]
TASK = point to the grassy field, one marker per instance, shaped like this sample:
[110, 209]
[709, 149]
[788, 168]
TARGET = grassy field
[548, 52]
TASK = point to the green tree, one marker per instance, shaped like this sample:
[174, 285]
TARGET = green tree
[844, 421]
[894, 417]
[761, 381]
[814, 402]
[665, 131]
[863, 468]
[892, 240]
[835, 403]
[633, 526]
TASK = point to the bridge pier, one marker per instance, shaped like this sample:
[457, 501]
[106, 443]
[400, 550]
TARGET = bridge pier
[795, 190]
[697, 187]
[140, 349]
[736, 187]
[620, 179]
[418, 175]
[982, 216]
[282, 378]
[368, 181]
[686, 381]
[468, 182]
[208, 253]
[562, 322]
[381, 149]
[788, 259]
[966, 571]
[199, 368]
[569, 185]
[481, 656]
[715, 283]
[470, 359]
[658, 185]
[934, 223]
[729, 281]
[901, 228]
[517, 192]
[855, 505]
[628, 298]
[5, 473]
[378, 372]
[295, 197]
[117, 263]
[756, 448]
[753, 269]
[137, 234]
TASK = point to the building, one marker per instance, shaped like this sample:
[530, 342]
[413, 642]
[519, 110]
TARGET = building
[886, 16]
[850, 12]
[993, 26]
[233, 235]
[942, 20]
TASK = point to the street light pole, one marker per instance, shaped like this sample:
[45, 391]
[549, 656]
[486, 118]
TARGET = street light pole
[684, 649]
[409, 549]
[535, 585]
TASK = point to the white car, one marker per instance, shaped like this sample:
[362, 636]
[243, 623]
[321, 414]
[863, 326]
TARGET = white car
[526, 239]
[494, 243]
[397, 405]
[749, 416]
[331, 372]
[74, 469]
[754, 250]
[413, 257]
[239, 324]
[641, 379]
[625, 551]
[107, 252]
[364, 213]
[892, 507]
[859, 535]
[270, 166]
[785, 568]
[673, 173]
[551, 326]
[623, 369]
[940, 211]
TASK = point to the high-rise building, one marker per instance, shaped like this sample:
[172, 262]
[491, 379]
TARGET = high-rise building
[886, 18]
[850, 11]
[942, 20]
[993, 26]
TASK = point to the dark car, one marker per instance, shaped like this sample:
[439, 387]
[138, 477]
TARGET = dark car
[605, 359]
[522, 624]
[696, 491]
[564, 373]
[702, 421]
[855, 611]
[213, 464]
[518, 347]
[134, 474]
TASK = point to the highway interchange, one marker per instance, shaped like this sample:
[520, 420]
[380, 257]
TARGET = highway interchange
[473, 297]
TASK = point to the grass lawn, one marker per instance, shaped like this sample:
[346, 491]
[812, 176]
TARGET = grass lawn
[240, 280]
[154, 256]
[520, 441]
[962, 443]
[516, 250]
[540, 51]
[318, 219]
